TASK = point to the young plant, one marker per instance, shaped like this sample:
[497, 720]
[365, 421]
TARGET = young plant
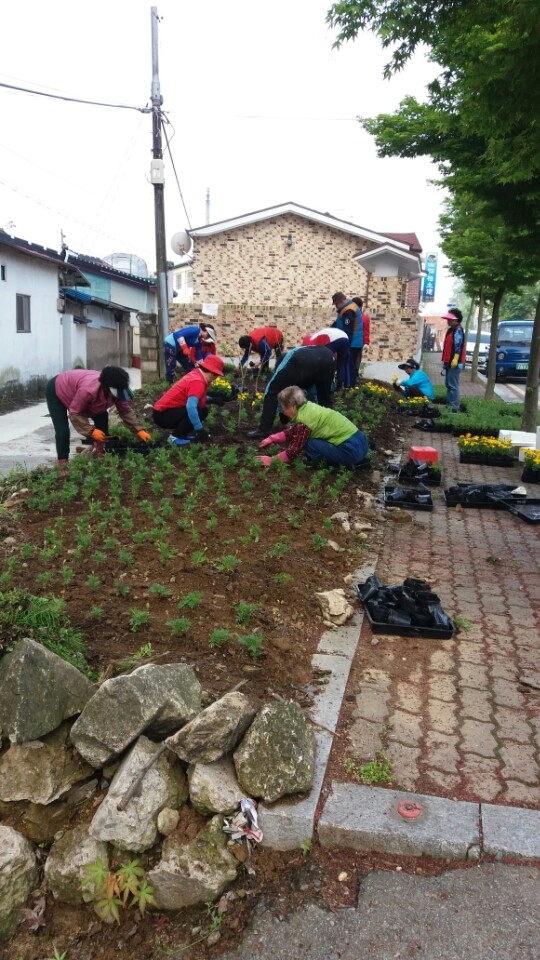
[226, 564]
[146, 652]
[125, 557]
[378, 770]
[45, 578]
[138, 619]
[244, 612]
[190, 600]
[121, 588]
[281, 578]
[198, 557]
[219, 637]
[93, 582]
[159, 590]
[253, 643]
[318, 542]
[180, 626]
[111, 890]
[96, 613]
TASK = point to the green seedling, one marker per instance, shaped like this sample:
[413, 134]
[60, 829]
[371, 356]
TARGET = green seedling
[226, 564]
[99, 557]
[125, 557]
[180, 626]
[112, 890]
[146, 652]
[121, 588]
[198, 557]
[462, 623]
[253, 644]
[219, 637]
[190, 600]
[159, 590]
[281, 578]
[318, 542]
[45, 578]
[96, 613]
[306, 847]
[244, 612]
[138, 619]
[93, 582]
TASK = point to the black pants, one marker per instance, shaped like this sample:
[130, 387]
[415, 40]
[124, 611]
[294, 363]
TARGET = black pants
[60, 421]
[356, 360]
[177, 421]
[308, 367]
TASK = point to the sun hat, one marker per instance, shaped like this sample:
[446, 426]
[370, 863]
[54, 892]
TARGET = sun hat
[213, 365]
[453, 315]
[409, 363]
[211, 333]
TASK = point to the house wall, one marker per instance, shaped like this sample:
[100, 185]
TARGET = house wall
[38, 353]
[259, 280]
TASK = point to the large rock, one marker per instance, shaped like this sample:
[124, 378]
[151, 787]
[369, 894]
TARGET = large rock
[213, 787]
[41, 770]
[164, 785]
[215, 731]
[68, 856]
[38, 691]
[18, 877]
[156, 700]
[195, 872]
[277, 755]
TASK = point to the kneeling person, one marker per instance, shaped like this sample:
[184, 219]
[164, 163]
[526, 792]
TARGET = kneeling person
[417, 383]
[319, 432]
[183, 408]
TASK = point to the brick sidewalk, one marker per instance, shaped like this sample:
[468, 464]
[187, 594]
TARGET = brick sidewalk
[460, 725]
[431, 363]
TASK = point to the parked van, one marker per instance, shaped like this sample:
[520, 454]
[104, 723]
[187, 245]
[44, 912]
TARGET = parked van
[514, 339]
[483, 349]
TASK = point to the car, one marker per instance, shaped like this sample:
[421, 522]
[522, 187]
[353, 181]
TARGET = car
[514, 339]
[483, 349]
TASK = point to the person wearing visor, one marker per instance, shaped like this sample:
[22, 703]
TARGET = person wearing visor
[183, 407]
[417, 383]
[453, 356]
[84, 397]
[186, 346]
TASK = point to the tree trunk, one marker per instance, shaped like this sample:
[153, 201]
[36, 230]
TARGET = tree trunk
[474, 365]
[530, 412]
[492, 363]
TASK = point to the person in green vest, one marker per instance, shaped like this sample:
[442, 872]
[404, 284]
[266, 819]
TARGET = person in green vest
[318, 432]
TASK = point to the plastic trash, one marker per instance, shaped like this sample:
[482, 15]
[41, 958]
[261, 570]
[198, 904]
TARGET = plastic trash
[244, 823]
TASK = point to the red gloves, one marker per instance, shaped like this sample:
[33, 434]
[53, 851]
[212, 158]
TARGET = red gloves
[273, 438]
[185, 350]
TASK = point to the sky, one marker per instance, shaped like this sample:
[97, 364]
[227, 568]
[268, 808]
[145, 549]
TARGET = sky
[261, 110]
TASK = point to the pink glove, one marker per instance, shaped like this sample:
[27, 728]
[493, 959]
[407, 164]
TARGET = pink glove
[266, 461]
[273, 438]
[282, 455]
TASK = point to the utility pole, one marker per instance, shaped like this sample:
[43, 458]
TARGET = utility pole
[158, 180]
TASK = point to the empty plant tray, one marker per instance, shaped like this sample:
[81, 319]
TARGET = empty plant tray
[482, 501]
[410, 499]
[527, 510]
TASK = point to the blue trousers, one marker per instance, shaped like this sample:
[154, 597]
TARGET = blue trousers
[452, 375]
[346, 454]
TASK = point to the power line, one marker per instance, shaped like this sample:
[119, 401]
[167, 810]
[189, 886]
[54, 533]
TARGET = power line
[58, 96]
[165, 120]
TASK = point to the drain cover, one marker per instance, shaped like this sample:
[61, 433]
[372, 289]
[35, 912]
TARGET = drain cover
[409, 810]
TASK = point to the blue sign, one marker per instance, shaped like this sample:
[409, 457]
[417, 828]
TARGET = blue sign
[428, 290]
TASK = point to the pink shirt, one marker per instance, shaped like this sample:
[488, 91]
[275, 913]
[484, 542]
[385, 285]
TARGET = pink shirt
[81, 392]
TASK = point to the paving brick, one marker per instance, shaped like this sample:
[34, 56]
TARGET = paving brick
[371, 704]
[405, 728]
[366, 818]
[404, 765]
[441, 751]
[511, 725]
[521, 793]
[519, 762]
[471, 652]
[442, 716]
[441, 660]
[476, 704]
[482, 777]
[478, 738]
[408, 697]
[449, 782]
[365, 738]
[442, 687]
[506, 694]
[472, 675]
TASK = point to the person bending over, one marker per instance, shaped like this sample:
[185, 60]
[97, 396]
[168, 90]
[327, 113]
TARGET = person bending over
[306, 367]
[320, 433]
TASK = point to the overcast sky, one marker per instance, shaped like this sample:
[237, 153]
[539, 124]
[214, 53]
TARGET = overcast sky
[261, 111]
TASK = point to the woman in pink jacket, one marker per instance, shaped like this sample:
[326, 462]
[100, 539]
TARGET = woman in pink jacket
[85, 397]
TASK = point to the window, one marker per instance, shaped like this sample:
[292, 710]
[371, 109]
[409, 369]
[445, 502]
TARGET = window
[23, 313]
[2, 272]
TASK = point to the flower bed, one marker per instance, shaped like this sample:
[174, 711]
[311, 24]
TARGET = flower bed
[487, 451]
[531, 467]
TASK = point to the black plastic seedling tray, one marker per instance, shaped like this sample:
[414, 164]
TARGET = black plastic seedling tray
[406, 504]
[433, 480]
[527, 510]
[489, 503]
[431, 633]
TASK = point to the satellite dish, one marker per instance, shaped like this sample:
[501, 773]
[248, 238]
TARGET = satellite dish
[181, 243]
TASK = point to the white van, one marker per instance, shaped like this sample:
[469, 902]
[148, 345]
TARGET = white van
[483, 350]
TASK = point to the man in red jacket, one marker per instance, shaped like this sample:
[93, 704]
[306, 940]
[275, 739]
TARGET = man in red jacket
[262, 341]
[453, 356]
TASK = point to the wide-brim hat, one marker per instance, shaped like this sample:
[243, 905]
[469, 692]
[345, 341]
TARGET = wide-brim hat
[409, 363]
[211, 333]
[213, 365]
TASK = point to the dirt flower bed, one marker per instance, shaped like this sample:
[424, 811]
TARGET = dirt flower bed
[194, 554]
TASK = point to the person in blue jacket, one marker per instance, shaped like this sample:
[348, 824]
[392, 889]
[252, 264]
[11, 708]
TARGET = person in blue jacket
[182, 346]
[417, 383]
[349, 319]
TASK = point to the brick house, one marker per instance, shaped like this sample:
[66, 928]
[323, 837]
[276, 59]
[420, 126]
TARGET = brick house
[280, 266]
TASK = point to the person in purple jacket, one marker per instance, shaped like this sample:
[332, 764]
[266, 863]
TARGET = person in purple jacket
[84, 397]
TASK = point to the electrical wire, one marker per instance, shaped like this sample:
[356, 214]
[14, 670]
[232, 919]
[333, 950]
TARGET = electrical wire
[164, 120]
[58, 96]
